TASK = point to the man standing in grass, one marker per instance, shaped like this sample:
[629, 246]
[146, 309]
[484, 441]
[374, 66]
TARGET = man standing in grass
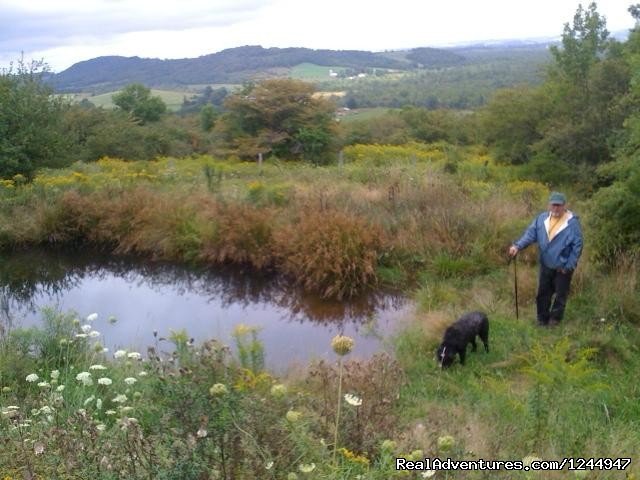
[559, 239]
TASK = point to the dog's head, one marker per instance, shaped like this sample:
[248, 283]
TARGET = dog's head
[445, 356]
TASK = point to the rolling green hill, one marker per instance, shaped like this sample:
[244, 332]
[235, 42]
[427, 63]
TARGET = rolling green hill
[460, 77]
[234, 65]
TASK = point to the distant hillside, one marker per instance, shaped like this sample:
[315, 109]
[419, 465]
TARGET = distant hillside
[434, 57]
[234, 65]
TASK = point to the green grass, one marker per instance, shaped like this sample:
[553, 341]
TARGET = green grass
[540, 392]
[311, 72]
[364, 114]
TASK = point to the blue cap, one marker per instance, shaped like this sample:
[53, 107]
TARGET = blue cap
[557, 197]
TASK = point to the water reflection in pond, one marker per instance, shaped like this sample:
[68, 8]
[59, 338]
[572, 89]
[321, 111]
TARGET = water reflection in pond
[143, 296]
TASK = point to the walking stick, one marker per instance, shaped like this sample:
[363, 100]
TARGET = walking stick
[515, 282]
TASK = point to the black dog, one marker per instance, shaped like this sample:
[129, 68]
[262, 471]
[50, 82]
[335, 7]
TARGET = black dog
[461, 333]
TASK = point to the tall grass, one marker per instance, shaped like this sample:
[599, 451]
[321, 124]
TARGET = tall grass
[334, 229]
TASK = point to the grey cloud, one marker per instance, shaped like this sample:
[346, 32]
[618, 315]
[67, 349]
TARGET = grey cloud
[29, 31]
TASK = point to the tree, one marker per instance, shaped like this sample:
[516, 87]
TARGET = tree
[586, 86]
[511, 123]
[279, 117]
[208, 116]
[582, 43]
[136, 100]
[31, 128]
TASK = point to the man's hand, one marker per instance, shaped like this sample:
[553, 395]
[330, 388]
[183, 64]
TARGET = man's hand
[513, 251]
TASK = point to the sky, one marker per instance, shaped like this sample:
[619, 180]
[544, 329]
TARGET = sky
[64, 32]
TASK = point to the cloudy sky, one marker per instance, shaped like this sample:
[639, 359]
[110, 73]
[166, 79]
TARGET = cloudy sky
[63, 32]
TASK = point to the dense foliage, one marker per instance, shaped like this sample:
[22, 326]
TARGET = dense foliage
[31, 130]
[465, 85]
[279, 117]
[136, 100]
[570, 123]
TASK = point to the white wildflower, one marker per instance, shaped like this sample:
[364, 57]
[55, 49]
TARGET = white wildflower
[32, 377]
[99, 404]
[278, 390]
[101, 427]
[60, 388]
[130, 380]
[44, 385]
[307, 468]
[293, 416]
[11, 412]
[268, 466]
[201, 433]
[85, 378]
[119, 353]
[134, 355]
[92, 317]
[94, 334]
[428, 473]
[81, 335]
[104, 381]
[110, 412]
[120, 398]
[47, 410]
[353, 400]
[55, 374]
[218, 389]
[89, 400]
[143, 374]
[97, 367]
[85, 328]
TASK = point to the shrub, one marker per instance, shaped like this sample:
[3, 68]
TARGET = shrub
[613, 218]
[331, 252]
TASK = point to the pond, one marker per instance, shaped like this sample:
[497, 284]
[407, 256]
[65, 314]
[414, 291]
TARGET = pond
[147, 297]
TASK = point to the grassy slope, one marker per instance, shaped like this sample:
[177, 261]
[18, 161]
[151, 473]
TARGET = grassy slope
[530, 395]
[310, 72]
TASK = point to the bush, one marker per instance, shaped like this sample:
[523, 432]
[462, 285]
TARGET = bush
[31, 132]
[331, 252]
[613, 218]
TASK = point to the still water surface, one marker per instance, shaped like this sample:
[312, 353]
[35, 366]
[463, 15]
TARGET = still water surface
[145, 297]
